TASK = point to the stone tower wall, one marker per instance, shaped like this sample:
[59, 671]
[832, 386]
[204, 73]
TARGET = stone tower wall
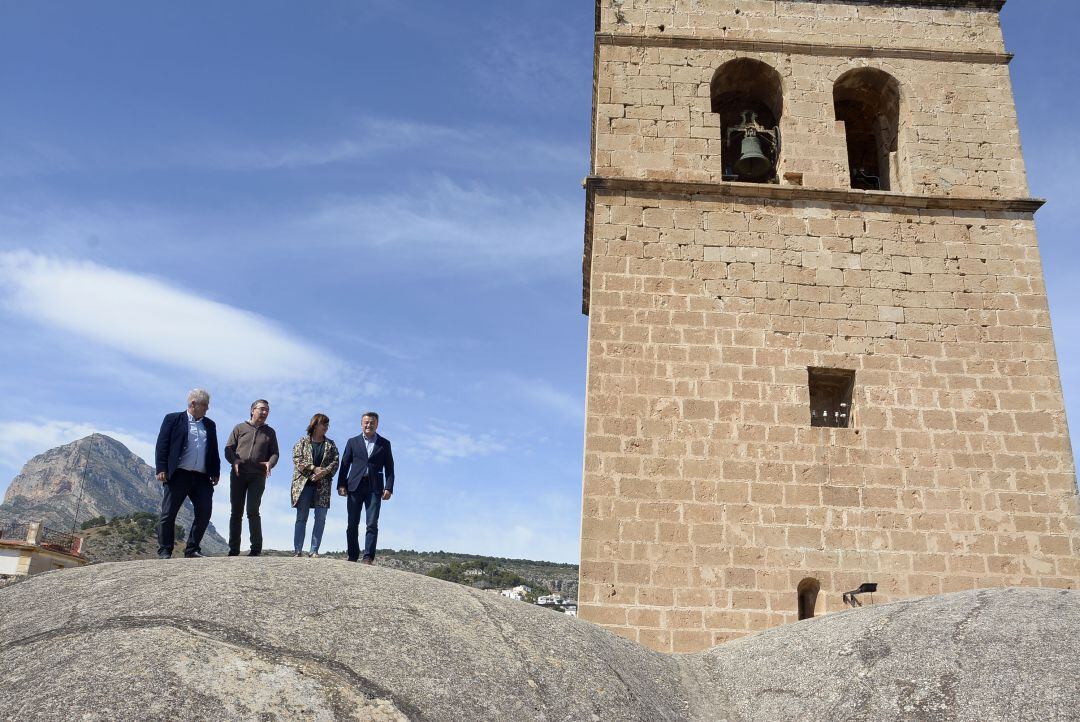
[708, 496]
[952, 25]
[958, 134]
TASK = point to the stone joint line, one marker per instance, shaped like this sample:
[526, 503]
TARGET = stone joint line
[689, 42]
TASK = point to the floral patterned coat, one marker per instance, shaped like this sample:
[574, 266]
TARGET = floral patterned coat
[304, 468]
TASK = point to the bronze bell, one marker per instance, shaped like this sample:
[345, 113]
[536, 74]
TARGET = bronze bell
[752, 162]
[758, 148]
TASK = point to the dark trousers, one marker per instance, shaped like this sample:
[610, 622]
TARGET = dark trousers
[356, 502]
[246, 489]
[184, 485]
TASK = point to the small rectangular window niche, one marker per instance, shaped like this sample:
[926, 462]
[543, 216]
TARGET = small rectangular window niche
[831, 391]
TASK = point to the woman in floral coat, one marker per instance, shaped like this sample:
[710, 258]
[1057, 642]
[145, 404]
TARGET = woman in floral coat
[316, 460]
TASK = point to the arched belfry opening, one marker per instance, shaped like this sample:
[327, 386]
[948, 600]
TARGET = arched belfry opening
[808, 592]
[867, 102]
[748, 95]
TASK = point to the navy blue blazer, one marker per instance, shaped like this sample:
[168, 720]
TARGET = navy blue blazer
[172, 439]
[363, 474]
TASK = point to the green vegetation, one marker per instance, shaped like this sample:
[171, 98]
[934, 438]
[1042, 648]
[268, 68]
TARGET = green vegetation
[132, 528]
[483, 575]
[95, 522]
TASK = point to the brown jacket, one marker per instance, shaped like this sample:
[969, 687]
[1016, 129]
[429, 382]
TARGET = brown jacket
[251, 446]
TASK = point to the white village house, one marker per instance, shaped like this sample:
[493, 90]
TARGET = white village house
[32, 548]
[517, 593]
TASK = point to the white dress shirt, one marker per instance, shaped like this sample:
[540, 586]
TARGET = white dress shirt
[194, 456]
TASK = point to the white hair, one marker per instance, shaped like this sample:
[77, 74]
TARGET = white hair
[198, 395]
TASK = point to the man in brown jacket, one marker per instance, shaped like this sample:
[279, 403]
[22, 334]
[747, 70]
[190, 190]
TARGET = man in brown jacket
[252, 449]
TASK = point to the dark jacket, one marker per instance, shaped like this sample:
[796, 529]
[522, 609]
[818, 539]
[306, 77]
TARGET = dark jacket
[173, 438]
[251, 446]
[366, 475]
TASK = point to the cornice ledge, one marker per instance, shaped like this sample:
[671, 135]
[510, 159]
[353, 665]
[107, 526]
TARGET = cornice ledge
[827, 195]
[995, 5]
[693, 42]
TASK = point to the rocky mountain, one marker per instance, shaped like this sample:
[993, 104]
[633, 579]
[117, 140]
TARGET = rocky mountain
[94, 476]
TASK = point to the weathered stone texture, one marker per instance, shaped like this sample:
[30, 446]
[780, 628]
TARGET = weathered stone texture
[848, 23]
[283, 639]
[958, 134]
[708, 496]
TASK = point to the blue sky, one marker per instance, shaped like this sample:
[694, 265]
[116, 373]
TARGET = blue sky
[341, 206]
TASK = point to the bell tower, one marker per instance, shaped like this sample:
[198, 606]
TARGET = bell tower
[820, 354]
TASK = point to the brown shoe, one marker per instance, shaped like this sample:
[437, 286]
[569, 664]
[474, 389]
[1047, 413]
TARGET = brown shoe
[367, 561]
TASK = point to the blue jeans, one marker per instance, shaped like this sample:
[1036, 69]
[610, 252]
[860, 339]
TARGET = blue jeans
[307, 498]
[357, 501]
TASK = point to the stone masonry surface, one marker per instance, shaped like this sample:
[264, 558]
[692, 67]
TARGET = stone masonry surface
[873, 24]
[708, 496]
[958, 133]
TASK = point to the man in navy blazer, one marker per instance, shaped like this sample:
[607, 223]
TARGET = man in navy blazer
[188, 466]
[367, 477]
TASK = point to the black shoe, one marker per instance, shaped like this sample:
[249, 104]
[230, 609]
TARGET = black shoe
[354, 560]
[194, 555]
[254, 554]
[164, 556]
[234, 554]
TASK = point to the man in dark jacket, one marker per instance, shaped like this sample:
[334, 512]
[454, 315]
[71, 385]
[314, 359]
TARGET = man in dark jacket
[252, 449]
[188, 466]
[366, 475]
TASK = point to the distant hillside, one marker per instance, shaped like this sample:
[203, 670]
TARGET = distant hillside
[96, 475]
[134, 536]
[543, 576]
[123, 538]
[482, 575]
[546, 577]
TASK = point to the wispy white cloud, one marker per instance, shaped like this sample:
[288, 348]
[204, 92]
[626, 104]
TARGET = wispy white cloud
[370, 138]
[153, 320]
[567, 406]
[70, 228]
[472, 224]
[442, 443]
[532, 66]
[376, 138]
[22, 440]
[365, 139]
[436, 225]
[529, 523]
